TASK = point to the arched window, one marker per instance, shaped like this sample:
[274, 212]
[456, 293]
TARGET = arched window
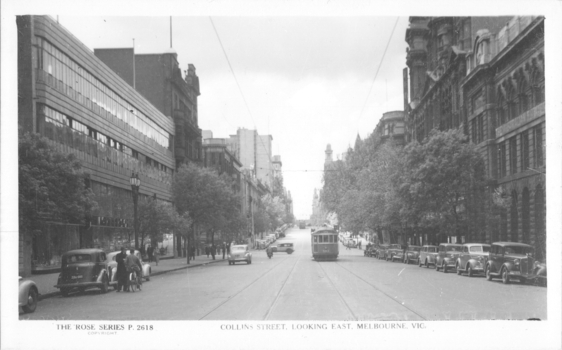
[514, 217]
[540, 235]
[525, 213]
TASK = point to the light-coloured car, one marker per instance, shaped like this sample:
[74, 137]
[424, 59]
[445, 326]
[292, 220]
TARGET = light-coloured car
[28, 295]
[283, 248]
[428, 253]
[112, 267]
[239, 253]
[394, 251]
[473, 258]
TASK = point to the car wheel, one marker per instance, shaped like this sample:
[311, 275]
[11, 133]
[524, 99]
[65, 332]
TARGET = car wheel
[64, 292]
[505, 276]
[105, 285]
[32, 298]
[469, 270]
[488, 275]
[458, 269]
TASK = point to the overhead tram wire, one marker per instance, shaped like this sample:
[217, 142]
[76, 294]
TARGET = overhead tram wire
[236, 79]
[379, 67]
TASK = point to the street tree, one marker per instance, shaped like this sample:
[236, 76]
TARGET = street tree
[156, 218]
[208, 198]
[51, 185]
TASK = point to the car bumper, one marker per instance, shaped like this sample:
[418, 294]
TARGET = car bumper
[239, 259]
[79, 285]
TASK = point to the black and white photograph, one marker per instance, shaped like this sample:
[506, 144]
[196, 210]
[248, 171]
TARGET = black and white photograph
[294, 175]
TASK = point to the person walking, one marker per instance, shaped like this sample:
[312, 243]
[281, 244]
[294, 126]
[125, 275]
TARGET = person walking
[121, 273]
[150, 253]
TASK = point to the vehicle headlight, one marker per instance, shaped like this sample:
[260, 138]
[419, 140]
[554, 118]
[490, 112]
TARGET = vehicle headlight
[516, 261]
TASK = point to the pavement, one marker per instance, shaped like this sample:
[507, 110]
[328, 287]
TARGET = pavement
[46, 282]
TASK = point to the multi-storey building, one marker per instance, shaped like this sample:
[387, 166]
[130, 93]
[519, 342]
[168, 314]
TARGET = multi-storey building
[391, 126]
[486, 76]
[159, 79]
[69, 96]
[254, 151]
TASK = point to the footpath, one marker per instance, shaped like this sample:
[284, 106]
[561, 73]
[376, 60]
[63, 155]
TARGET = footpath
[45, 282]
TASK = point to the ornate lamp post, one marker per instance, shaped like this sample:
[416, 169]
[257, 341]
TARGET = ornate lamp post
[135, 185]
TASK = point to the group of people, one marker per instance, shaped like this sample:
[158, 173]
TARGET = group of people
[212, 250]
[126, 264]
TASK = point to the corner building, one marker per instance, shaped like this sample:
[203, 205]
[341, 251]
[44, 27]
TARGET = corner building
[69, 96]
[485, 75]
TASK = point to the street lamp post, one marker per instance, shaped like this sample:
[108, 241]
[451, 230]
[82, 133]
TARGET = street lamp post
[135, 185]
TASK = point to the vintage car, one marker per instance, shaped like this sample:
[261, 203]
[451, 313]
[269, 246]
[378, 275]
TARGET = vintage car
[82, 269]
[472, 258]
[112, 267]
[283, 247]
[369, 250]
[239, 253]
[351, 243]
[392, 251]
[411, 253]
[428, 253]
[447, 255]
[380, 251]
[510, 260]
[28, 295]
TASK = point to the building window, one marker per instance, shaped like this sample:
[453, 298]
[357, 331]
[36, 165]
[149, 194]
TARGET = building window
[513, 155]
[473, 131]
[480, 127]
[538, 146]
[514, 217]
[525, 213]
[502, 160]
[524, 150]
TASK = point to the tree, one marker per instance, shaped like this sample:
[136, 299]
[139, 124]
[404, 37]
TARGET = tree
[207, 197]
[158, 217]
[51, 185]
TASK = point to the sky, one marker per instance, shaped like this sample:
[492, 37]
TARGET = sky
[307, 81]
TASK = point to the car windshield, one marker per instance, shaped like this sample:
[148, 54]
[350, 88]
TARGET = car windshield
[76, 258]
[479, 248]
[454, 249]
[414, 249]
[522, 250]
[238, 249]
[431, 249]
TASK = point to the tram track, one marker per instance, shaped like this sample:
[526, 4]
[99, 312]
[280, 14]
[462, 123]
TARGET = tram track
[380, 291]
[274, 267]
[337, 291]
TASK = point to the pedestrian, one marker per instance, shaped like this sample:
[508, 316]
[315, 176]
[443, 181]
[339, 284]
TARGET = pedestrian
[132, 262]
[213, 251]
[193, 253]
[150, 252]
[121, 273]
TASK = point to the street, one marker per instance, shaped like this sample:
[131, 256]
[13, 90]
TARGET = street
[295, 287]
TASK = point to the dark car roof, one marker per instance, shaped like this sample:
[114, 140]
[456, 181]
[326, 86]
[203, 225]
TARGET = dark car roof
[84, 251]
[517, 244]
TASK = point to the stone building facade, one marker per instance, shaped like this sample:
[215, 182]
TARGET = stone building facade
[485, 75]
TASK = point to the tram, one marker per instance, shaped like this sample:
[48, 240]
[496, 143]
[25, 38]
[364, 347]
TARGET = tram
[324, 242]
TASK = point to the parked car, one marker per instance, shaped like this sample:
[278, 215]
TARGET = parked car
[510, 260]
[473, 258]
[239, 253]
[82, 269]
[411, 253]
[380, 251]
[428, 253]
[392, 251]
[28, 295]
[447, 255]
[369, 251]
[112, 267]
[284, 247]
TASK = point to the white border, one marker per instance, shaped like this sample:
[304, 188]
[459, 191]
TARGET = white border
[206, 335]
